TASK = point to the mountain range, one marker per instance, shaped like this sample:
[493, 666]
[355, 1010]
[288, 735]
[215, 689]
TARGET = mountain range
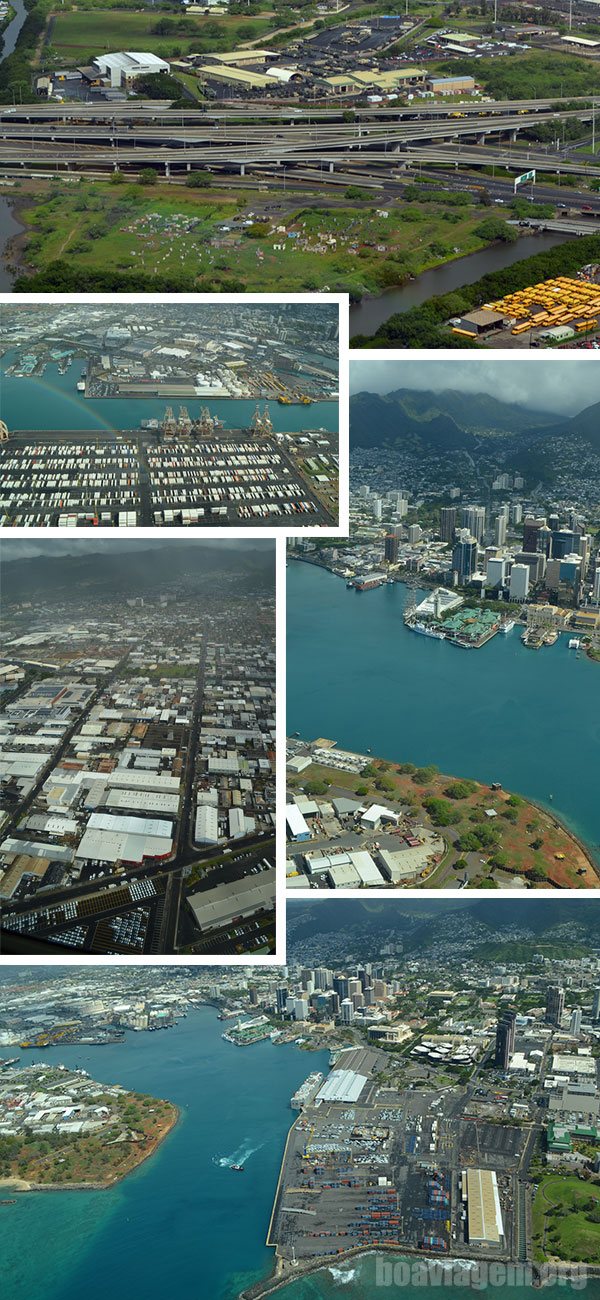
[448, 421]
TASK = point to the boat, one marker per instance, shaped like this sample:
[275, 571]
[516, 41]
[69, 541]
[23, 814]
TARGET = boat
[574, 643]
[508, 626]
[13, 1202]
[238, 1169]
[427, 631]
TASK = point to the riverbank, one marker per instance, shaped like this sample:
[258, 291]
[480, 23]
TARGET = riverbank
[423, 323]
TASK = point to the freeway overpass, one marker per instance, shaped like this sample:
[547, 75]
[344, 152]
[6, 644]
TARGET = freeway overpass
[160, 110]
[87, 146]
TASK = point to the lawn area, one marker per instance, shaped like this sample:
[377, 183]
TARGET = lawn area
[168, 231]
[76, 36]
[566, 1220]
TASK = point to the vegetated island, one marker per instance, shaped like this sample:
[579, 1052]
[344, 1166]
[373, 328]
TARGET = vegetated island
[491, 836]
[59, 1130]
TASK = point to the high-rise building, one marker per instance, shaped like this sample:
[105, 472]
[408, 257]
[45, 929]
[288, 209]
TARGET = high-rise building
[575, 1023]
[282, 997]
[347, 1011]
[532, 529]
[519, 582]
[464, 558]
[516, 512]
[596, 1005]
[391, 549]
[323, 978]
[565, 542]
[496, 572]
[500, 530]
[505, 1039]
[447, 523]
[555, 1004]
[415, 533]
[473, 518]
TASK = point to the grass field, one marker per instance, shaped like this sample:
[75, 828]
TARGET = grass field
[76, 36]
[566, 1220]
[349, 248]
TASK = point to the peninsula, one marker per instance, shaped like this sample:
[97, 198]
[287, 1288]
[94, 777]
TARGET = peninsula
[59, 1129]
[354, 821]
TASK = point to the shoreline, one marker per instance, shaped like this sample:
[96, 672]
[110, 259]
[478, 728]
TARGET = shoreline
[22, 1185]
[277, 1279]
[587, 851]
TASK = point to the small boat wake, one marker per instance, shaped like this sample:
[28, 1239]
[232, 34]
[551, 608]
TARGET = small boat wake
[239, 1158]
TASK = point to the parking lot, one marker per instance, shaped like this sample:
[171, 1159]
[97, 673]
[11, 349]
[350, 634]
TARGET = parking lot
[123, 481]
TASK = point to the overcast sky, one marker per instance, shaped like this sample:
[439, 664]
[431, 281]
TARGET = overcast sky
[564, 385]
[29, 550]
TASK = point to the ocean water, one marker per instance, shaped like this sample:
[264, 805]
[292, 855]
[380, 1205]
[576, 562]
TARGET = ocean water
[183, 1224]
[527, 718]
[52, 402]
[366, 1278]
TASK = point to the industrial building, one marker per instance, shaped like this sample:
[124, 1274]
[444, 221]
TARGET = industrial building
[123, 69]
[218, 907]
[484, 1213]
[343, 1086]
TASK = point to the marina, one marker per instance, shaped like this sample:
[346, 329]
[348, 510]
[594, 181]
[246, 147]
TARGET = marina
[467, 712]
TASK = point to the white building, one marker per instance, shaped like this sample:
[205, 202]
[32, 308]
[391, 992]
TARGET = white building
[125, 67]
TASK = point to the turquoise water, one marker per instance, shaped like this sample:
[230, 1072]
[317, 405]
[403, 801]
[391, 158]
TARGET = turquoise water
[527, 718]
[183, 1224]
[366, 1279]
[53, 402]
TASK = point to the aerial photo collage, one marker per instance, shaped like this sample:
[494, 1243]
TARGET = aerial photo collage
[300, 649]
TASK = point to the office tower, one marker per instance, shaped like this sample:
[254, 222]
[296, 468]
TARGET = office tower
[500, 530]
[496, 571]
[347, 1011]
[307, 977]
[282, 997]
[323, 978]
[575, 1023]
[597, 584]
[596, 1005]
[390, 550]
[565, 542]
[473, 518]
[464, 558]
[555, 1004]
[505, 1039]
[341, 985]
[253, 995]
[299, 1008]
[519, 582]
[447, 523]
[536, 535]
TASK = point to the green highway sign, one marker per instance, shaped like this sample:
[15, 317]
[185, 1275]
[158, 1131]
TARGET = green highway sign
[521, 180]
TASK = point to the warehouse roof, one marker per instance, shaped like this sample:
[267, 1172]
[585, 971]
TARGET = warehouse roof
[342, 1085]
[483, 1205]
[219, 906]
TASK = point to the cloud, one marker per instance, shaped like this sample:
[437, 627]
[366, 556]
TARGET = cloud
[562, 384]
[13, 549]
